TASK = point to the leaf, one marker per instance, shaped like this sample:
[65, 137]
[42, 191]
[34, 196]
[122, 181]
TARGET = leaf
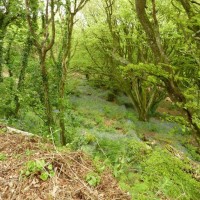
[27, 173]
[93, 179]
[50, 167]
[52, 173]
[44, 176]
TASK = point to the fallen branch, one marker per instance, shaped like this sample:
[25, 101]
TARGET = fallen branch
[13, 130]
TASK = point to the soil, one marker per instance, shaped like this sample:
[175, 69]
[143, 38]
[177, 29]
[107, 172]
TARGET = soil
[68, 181]
[166, 108]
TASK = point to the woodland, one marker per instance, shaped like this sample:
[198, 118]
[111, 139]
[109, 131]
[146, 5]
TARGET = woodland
[117, 80]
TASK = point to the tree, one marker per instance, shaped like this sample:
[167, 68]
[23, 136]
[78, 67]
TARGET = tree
[171, 82]
[145, 97]
[71, 9]
[8, 13]
[119, 43]
[24, 63]
[43, 42]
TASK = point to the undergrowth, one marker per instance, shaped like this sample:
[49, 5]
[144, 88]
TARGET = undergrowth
[111, 134]
[145, 172]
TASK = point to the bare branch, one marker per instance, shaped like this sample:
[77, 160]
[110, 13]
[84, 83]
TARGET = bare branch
[52, 27]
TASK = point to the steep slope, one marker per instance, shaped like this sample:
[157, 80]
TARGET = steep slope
[33, 169]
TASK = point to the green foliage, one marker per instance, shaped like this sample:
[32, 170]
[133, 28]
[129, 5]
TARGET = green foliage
[39, 168]
[136, 151]
[113, 52]
[109, 149]
[165, 174]
[93, 179]
[28, 152]
[3, 157]
[145, 172]
[154, 174]
[99, 165]
[193, 151]
[6, 100]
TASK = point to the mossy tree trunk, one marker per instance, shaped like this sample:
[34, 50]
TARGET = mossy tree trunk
[145, 100]
[7, 16]
[70, 10]
[24, 63]
[2, 35]
[43, 44]
[153, 35]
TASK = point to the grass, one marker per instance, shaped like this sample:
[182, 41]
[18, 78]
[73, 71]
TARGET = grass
[3, 157]
[112, 133]
[94, 114]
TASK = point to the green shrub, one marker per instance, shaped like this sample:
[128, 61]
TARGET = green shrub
[3, 157]
[165, 175]
[93, 179]
[38, 168]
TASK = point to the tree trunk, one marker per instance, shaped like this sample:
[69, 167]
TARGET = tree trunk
[61, 104]
[143, 116]
[71, 10]
[2, 35]
[153, 38]
[65, 63]
[161, 57]
[24, 63]
[45, 84]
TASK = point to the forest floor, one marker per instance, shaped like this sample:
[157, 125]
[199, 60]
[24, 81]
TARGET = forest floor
[33, 169]
[117, 120]
[150, 160]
